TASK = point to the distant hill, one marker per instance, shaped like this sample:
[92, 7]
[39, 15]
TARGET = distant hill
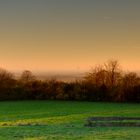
[66, 76]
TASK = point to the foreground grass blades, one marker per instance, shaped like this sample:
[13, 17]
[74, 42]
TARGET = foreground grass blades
[41, 120]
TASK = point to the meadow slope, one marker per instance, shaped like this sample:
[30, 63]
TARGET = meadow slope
[41, 120]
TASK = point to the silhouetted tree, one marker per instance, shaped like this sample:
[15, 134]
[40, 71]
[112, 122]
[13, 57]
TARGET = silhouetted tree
[7, 84]
[97, 76]
[27, 76]
[103, 83]
[130, 87]
[113, 71]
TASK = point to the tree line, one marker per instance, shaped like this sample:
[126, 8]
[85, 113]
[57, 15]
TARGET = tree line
[104, 83]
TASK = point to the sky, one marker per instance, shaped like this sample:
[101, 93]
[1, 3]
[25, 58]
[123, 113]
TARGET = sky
[69, 35]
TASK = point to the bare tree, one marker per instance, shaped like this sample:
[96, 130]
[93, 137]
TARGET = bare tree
[130, 80]
[113, 70]
[97, 76]
[5, 75]
[108, 74]
[7, 83]
[27, 76]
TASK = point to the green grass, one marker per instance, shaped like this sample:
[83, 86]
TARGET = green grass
[54, 120]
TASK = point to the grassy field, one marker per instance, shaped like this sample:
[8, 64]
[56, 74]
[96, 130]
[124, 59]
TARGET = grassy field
[58, 120]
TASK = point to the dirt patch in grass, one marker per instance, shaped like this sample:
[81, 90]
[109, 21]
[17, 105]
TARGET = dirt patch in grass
[113, 121]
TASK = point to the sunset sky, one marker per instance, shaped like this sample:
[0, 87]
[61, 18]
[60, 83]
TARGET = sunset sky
[69, 35]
